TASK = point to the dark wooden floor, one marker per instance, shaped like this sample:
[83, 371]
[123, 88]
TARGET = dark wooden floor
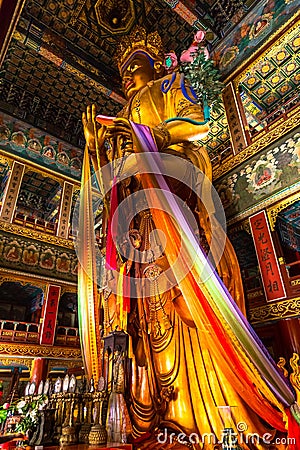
[91, 447]
[150, 444]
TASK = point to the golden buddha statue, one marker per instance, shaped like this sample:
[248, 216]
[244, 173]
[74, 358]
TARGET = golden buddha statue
[186, 363]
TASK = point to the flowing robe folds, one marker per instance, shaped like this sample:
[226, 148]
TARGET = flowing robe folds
[193, 351]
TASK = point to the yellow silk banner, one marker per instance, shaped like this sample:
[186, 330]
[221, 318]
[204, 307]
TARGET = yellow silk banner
[88, 298]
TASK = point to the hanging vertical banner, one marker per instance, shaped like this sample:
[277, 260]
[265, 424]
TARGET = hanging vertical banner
[12, 192]
[267, 260]
[65, 210]
[88, 298]
[50, 315]
[234, 119]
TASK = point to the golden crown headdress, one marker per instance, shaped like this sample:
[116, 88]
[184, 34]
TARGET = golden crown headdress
[138, 39]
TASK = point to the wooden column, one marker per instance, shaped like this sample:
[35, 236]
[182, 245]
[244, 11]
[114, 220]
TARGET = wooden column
[12, 190]
[234, 115]
[39, 371]
[65, 210]
[289, 331]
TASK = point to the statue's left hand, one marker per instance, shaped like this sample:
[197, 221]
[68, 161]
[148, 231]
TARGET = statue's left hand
[120, 127]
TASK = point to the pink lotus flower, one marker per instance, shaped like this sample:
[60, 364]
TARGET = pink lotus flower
[170, 61]
[199, 36]
[189, 55]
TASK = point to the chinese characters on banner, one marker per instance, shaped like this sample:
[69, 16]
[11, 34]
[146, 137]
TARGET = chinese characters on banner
[65, 210]
[267, 260]
[51, 308]
[12, 192]
[234, 119]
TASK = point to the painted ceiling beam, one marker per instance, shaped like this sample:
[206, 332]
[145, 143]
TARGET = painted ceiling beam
[187, 14]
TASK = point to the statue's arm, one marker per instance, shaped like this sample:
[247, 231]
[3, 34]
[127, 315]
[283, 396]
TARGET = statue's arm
[187, 124]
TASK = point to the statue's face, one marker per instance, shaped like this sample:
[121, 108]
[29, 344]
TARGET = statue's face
[136, 74]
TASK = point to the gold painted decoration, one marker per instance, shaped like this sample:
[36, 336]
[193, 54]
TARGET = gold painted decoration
[37, 280]
[30, 255]
[262, 142]
[263, 181]
[283, 309]
[16, 362]
[12, 251]
[37, 257]
[266, 68]
[59, 177]
[251, 81]
[12, 21]
[260, 91]
[14, 277]
[281, 56]
[69, 363]
[295, 377]
[281, 364]
[29, 350]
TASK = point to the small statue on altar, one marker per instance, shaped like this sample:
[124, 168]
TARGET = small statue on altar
[92, 385]
[118, 423]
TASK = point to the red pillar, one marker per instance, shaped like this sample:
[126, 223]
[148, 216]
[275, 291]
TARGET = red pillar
[39, 371]
[289, 330]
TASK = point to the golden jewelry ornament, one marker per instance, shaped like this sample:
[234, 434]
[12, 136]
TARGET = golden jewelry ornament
[152, 272]
[163, 134]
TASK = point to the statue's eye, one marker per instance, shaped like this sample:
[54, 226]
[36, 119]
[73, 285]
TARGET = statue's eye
[134, 66]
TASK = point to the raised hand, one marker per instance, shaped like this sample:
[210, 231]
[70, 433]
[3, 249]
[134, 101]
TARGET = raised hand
[90, 127]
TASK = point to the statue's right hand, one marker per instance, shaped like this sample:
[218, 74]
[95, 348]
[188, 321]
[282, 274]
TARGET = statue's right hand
[90, 127]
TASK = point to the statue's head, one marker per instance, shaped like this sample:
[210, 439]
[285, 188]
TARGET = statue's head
[140, 60]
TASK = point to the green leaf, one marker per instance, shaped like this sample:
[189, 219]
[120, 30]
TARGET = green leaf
[204, 78]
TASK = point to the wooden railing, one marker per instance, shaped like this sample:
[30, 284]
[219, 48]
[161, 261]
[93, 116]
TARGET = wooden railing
[38, 224]
[19, 331]
[13, 331]
[34, 223]
[67, 336]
